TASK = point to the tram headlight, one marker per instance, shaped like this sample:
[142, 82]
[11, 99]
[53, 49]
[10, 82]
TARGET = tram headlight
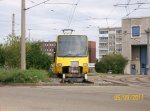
[85, 64]
[59, 64]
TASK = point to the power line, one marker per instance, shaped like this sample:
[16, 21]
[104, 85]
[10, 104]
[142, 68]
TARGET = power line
[61, 3]
[108, 16]
[71, 18]
[37, 4]
[137, 3]
[128, 4]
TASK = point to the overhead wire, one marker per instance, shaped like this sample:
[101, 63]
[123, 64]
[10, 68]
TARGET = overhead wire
[37, 4]
[128, 4]
[111, 12]
[72, 15]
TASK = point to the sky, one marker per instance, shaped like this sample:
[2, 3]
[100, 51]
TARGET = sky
[47, 20]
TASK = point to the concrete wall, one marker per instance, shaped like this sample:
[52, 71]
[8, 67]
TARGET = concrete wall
[92, 51]
[135, 53]
[137, 63]
[128, 40]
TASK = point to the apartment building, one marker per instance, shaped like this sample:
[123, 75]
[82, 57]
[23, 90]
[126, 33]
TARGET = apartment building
[110, 41]
[48, 47]
[135, 44]
[92, 51]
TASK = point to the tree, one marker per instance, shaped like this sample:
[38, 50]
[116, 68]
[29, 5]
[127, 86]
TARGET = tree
[2, 57]
[114, 62]
[36, 58]
[12, 51]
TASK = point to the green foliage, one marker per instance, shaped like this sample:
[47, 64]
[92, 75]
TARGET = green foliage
[2, 57]
[12, 55]
[114, 62]
[36, 58]
[20, 76]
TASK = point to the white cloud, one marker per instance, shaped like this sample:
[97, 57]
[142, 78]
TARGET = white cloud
[47, 20]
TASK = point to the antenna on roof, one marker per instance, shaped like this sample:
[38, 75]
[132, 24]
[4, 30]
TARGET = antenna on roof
[68, 31]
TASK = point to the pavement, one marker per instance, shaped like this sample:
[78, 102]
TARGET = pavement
[133, 97]
[73, 98]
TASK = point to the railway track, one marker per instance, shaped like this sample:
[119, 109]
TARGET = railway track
[138, 80]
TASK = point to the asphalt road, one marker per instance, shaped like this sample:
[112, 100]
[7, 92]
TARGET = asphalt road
[72, 98]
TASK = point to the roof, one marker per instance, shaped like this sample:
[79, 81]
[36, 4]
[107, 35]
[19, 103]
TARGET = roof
[142, 17]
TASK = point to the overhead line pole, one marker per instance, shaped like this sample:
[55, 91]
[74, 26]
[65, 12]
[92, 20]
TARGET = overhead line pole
[13, 25]
[23, 35]
[23, 31]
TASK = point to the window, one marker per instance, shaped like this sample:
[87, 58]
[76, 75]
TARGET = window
[119, 45]
[103, 44]
[103, 51]
[112, 38]
[103, 32]
[111, 44]
[103, 38]
[135, 31]
[118, 38]
[118, 31]
[118, 50]
[111, 50]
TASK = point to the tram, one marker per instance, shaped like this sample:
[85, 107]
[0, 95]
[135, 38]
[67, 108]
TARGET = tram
[71, 56]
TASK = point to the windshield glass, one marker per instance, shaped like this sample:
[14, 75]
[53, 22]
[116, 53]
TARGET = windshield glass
[71, 45]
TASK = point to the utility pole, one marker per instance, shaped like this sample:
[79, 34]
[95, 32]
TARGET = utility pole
[148, 50]
[23, 31]
[13, 25]
[23, 35]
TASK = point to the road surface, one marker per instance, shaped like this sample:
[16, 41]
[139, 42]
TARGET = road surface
[72, 98]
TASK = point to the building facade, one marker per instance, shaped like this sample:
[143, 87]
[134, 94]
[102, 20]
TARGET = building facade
[92, 51]
[110, 41]
[48, 47]
[92, 55]
[134, 46]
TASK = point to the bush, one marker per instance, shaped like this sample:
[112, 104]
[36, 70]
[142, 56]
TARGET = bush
[12, 55]
[113, 62]
[20, 76]
[2, 57]
[36, 58]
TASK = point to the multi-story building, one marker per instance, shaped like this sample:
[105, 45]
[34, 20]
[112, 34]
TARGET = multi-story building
[92, 51]
[110, 40]
[135, 44]
[48, 47]
[92, 55]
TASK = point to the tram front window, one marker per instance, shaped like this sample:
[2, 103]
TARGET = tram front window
[72, 46]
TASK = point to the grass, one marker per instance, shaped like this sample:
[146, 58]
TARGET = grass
[20, 76]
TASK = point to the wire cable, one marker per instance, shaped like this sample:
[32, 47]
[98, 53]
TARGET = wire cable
[71, 18]
[37, 4]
